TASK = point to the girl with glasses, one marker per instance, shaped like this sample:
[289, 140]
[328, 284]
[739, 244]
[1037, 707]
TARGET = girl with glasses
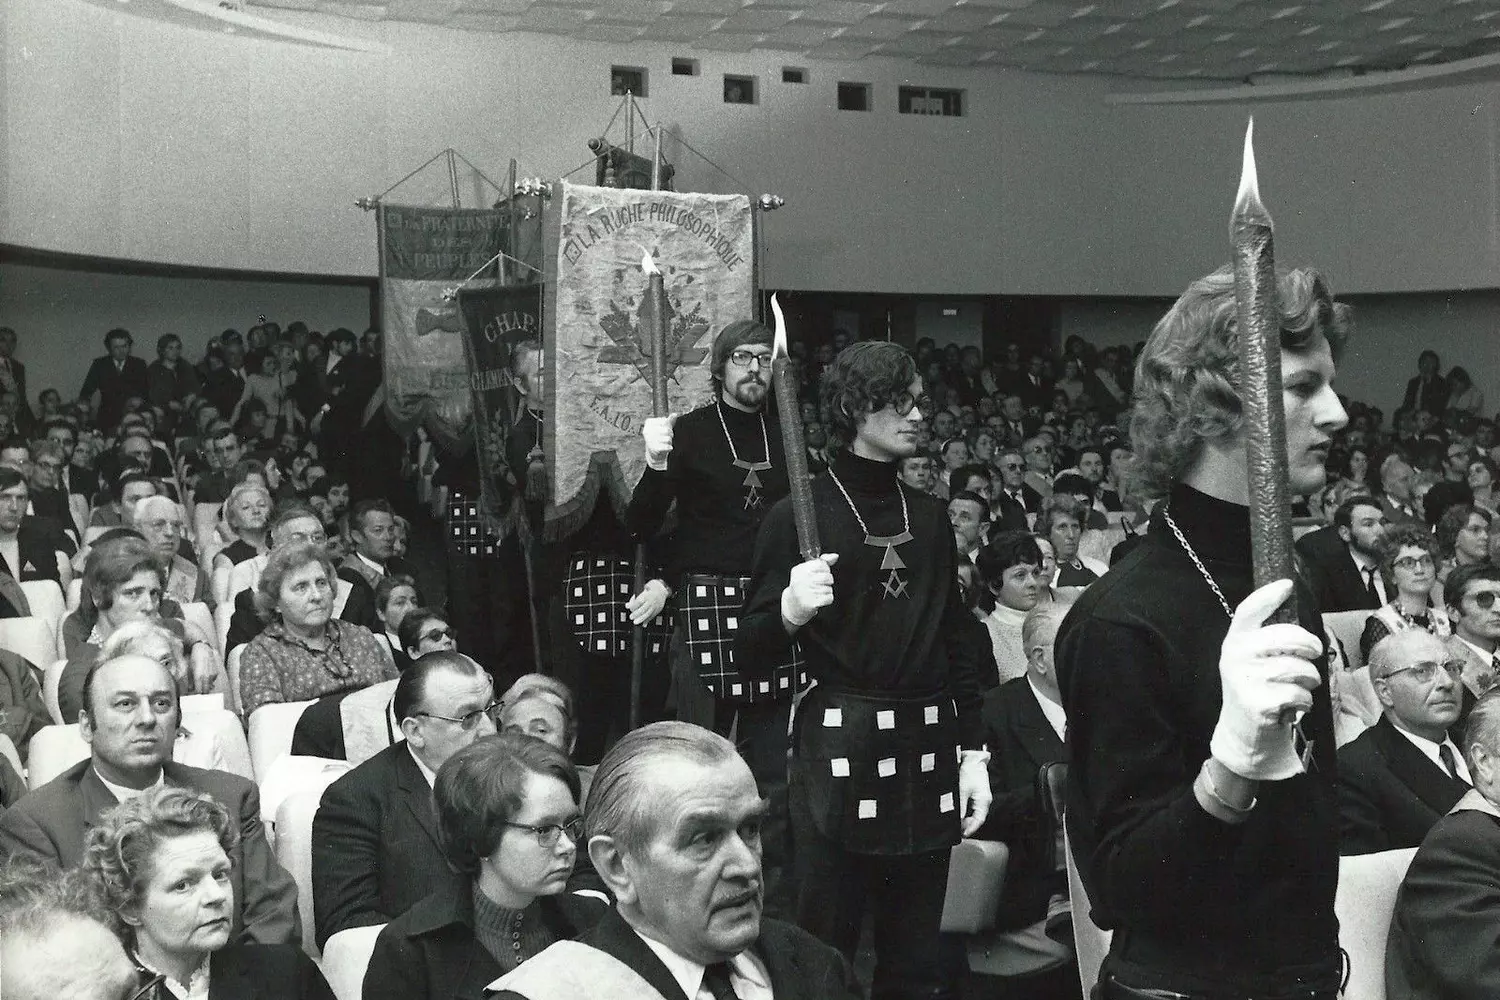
[1408, 560]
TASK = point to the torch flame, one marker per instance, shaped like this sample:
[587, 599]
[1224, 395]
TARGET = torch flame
[648, 264]
[1248, 198]
[778, 344]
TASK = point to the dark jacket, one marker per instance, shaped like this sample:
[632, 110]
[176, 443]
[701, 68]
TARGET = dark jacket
[38, 542]
[1021, 743]
[52, 823]
[114, 387]
[260, 972]
[1447, 917]
[430, 952]
[375, 849]
[1011, 516]
[1330, 570]
[799, 966]
[1390, 793]
[22, 709]
[1434, 400]
[171, 385]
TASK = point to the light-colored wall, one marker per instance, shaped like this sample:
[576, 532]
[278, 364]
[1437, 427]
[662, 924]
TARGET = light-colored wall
[61, 315]
[143, 140]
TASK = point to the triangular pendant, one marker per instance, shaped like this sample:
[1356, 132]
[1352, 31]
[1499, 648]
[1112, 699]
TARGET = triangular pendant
[892, 559]
[751, 479]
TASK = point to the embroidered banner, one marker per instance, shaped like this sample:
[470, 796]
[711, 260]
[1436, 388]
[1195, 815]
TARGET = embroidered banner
[495, 319]
[425, 252]
[598, 357]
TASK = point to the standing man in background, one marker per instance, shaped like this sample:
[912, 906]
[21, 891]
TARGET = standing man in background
[115, 378]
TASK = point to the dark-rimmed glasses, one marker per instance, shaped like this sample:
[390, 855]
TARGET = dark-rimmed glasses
[742, 358]
[468, 720]
[548, 834]
[905, 401]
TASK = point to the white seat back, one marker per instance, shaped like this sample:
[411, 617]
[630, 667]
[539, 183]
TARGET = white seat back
[222, 614]
[294, 820]
[33, 638]
[1090, 941]
[46, 600]
[201, 618]
[75, 593]
[53, 750]
[245, 575]
[346, 957]
[232, 675]
[217, 740]
[9, 752]
[341, 593]
[368, 721]
[1348, 626]
[51, 678]
[78, 507]
[1364, 902]
[271, 728]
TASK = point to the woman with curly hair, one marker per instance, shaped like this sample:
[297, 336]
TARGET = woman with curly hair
[162, 861]
[1408, 561]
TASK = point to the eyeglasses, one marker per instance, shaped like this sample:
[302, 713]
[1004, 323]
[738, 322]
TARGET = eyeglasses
[1485, 599]
[468, 720]
[1424, 672]
[1014, 466]
[743, 358]
[1413, 562]
[436, 635]
[547, 836]
[148, 988]
[903, 403]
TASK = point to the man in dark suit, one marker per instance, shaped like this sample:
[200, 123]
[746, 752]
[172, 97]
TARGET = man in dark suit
[224, 387]
[1342, 561]
[350, 381]
[375, 848]
[372, 529]
[1024, 727]
[1016, 498]
[1396, 480]
[115, 377]
[31, 548]
[13, 378]
[1447, 915]
[1427, 390]
[130, 723]
[673, 828]
[1397, 778]
[84, 481]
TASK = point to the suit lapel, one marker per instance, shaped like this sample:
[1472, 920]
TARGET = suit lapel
[96, 798]
[1415, 770]
[613, 936]
[1034, 731]
[784, 963]
[415, 793]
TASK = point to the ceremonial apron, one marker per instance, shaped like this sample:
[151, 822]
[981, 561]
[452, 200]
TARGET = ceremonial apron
[711, 607]
[595, 590]
[879, 772]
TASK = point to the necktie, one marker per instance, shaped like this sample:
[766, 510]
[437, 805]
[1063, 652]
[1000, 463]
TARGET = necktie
[1370, 584]
[716, 981]
[1445, 754]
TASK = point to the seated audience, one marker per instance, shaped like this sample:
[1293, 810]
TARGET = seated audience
[57, 938]
[1010, 567]
[372, 531]
[1342, 561]
[1397, 778]
[159, 521]
[48, 498]
[969, 516]
[1482, 486]
[304, 652]
[1470, 594]
[130, 722]
[375, 839]
[395, 597]
[1408, 561]
[1398, 496]
[1061, 519]
[125, 491]
[1016, 501]
[247, 513]
[163, 861]
[673, 828]
[1024, 728]
[30, 549]
[424, 631]
[1447, 914]
[224, 446]
[122, 583]
[82, 480]
[1462, 538]
[510, 824]
[153, 640]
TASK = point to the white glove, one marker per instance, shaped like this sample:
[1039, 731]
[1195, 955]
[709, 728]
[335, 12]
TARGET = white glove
[657, 433]
[809, 588]
[1268, 678]
[648, 603]
[974, 789]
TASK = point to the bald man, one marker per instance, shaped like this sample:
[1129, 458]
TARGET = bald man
[1400, 776]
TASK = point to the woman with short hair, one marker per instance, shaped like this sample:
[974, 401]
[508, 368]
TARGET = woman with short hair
[246, 512]
[509, 823]
[162, 861]
[304, 652]
[395, 598]
[1408, 561]
[423, 630]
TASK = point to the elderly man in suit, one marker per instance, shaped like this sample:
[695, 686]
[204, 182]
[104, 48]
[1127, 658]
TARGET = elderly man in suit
[375, 848]
[673, 827]
[1397, 478]
[130, 722]
[1343, 559]
[1447, 915]
[1398, 778]
[1017, 502]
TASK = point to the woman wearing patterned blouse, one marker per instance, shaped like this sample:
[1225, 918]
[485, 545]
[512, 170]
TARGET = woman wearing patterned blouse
[304, 653]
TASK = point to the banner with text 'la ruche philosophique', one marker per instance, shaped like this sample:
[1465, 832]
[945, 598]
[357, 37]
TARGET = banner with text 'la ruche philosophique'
[599, 355]
[425, 253]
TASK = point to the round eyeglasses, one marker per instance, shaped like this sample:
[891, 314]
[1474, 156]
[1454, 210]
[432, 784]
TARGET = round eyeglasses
[548, 834]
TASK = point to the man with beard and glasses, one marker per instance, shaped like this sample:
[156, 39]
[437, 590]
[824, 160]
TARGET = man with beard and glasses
[723, 466]
[878, 792]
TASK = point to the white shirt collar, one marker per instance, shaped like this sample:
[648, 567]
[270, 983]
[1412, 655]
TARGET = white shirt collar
[1430, 751]
[123, 794]
[689, 974]
[1057, 717]
[427, 772]
[1488, 658]
[371, 563]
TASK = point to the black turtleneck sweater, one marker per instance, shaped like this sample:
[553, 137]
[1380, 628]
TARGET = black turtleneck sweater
[715, 531]
[866, 641]
[1197, 905]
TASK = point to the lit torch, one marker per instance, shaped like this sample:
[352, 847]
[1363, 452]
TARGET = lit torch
[654, 321]
[792, 441]
[1259, 316]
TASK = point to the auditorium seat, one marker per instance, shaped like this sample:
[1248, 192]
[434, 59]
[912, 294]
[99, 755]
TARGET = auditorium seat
[294, 820]
[46, 600]
[75, 593]
[9, 752]
[218, 738]
[369, 721]
[346, 957]
[78, 506]
[51, 679]
[271, 728]
[1364, 902]
[200, 617]
[292, 774]
[52, 751]
[244, 576]
[32, 638]
[1090, 941]
[1347, 627]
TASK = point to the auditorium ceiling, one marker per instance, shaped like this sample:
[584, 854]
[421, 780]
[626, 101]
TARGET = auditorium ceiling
[1154, 39]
